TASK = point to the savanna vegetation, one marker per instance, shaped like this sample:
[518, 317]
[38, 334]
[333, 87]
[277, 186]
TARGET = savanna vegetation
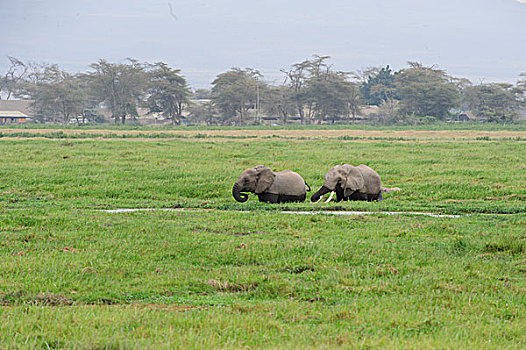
[311, 92]
[206, 271]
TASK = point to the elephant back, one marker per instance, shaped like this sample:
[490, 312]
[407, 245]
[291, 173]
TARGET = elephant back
[372, 181]
[288, 183]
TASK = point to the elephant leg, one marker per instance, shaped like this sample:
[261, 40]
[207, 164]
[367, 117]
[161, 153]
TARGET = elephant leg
[357, 196]
[352, 197]
[364, 197]
[268, 197]
[375, 197]
[339, 194]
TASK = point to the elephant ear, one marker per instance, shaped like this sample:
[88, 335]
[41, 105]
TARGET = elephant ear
[265, 178]
[354, 181]
[333, 176]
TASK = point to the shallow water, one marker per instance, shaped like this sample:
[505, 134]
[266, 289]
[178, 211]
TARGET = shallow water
[131, 210]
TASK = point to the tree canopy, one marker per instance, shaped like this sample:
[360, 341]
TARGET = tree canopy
[378, 86]
[320, 93]
[235, 92]
[495, 102]
[426, 91]
[119, 86]
[168, 92]
[11, 81]
[312, 91]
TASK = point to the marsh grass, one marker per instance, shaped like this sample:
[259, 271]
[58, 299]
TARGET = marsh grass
[223, 274]
[452, 177]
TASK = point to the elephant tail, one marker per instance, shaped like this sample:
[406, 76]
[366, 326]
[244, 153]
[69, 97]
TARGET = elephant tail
[307, 185]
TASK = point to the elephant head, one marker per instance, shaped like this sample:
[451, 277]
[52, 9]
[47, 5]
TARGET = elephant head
[255, 180]
[345, 179]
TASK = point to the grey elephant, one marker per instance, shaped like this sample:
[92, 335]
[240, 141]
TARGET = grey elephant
[270, 187]
[354, 183]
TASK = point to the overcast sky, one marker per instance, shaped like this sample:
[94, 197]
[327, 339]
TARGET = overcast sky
[483, 40]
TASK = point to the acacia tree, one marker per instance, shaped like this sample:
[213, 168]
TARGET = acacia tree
[378, 85]
[57, 95]
[279, 100]
[495, 102]
[388, 112]
[321, 93]
[297, 78]
[10, 83]
[426, 91]
[203, 112]
[168, 92]
[521, 85]
[120, 86]
[333, 96]
[234, 92]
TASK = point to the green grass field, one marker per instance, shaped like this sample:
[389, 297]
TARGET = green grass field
[215, 273]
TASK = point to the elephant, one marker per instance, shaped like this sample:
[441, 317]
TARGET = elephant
[271, 187]
[354, 183]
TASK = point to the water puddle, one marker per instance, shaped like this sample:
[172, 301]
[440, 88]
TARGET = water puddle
[350, 213]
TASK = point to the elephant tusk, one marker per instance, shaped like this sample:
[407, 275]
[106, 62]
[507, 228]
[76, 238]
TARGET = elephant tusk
[330, 197]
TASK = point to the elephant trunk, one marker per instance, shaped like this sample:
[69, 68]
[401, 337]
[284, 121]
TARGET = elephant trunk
[316, 196]
[238, 196]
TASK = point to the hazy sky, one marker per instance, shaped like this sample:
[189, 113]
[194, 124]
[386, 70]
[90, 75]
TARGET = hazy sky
[483, 40]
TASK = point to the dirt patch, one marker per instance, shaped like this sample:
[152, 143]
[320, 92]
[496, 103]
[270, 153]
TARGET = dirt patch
[354, 135]
[46, 299]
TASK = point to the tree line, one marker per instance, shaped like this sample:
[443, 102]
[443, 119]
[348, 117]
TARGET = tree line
[312, 92]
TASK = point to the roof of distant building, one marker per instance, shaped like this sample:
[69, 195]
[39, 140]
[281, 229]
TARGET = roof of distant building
[23, 106]
[12, 114]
